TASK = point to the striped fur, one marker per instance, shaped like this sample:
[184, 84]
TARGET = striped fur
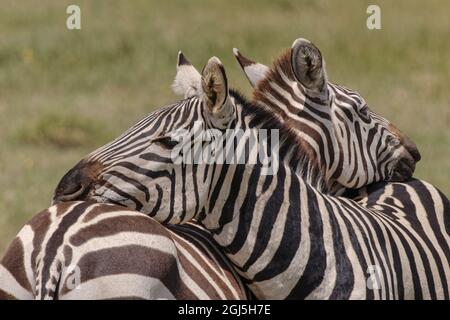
[288, 238]
[352, 145]
[120, 253]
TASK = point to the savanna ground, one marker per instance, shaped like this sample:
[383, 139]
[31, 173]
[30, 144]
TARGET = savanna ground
[63, 93]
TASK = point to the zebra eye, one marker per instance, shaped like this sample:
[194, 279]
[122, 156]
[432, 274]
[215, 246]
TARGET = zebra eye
[166, 142]
[392, 142]
[364, 110]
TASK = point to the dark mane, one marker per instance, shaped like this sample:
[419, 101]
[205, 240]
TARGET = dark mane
[289, 140]
[282, 63]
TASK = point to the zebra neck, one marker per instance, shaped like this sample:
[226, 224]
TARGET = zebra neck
[262, 224]
[291, 152]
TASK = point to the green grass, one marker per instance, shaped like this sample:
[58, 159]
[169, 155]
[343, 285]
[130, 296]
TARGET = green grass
[62, 131]
[63, 93]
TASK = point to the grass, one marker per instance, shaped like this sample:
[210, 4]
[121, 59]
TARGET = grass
[62, 131]
[63, 93]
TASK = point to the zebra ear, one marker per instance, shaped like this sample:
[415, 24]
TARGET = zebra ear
[253, 70]
[308, 65]
[215, 87]
[187, 81]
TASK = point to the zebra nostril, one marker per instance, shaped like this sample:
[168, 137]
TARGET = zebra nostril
[412, 149]
[404, 168]
[75, 184]
[415, 154]
[73, 192]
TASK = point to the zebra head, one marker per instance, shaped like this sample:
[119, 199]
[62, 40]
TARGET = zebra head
[137, 169]
[350, 143]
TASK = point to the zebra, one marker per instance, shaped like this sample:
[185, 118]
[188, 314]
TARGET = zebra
[395, 160]
[287, 237]
[197, 268]
[187, 84]
[382, 194]
[277, 88]
[413, 197]
[88, 250]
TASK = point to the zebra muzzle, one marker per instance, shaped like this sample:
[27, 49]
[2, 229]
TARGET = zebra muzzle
[77, 182]
[404, 169]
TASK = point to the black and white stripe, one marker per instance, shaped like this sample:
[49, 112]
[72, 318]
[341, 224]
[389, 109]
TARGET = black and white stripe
[287, 237]
[353, 146]
[118, 253]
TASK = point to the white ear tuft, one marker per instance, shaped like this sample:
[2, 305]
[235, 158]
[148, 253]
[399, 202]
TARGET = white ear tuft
[253, 70]
[187, 82]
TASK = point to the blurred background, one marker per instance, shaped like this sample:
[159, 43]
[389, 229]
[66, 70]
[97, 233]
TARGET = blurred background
[65, 92]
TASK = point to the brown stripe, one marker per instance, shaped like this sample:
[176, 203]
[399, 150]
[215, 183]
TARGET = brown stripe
[212, 256]
[196, 275]
[101, 209]
[110, 226]
[6, 296]
[62, 207]
[40, 225]
[134, 259]
[57, 239]
[243, 61]
[14, 262]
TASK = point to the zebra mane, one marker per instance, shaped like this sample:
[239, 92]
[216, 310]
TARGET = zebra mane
[302, 155]
[281, 63]
[280, 70]
[300, 158]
